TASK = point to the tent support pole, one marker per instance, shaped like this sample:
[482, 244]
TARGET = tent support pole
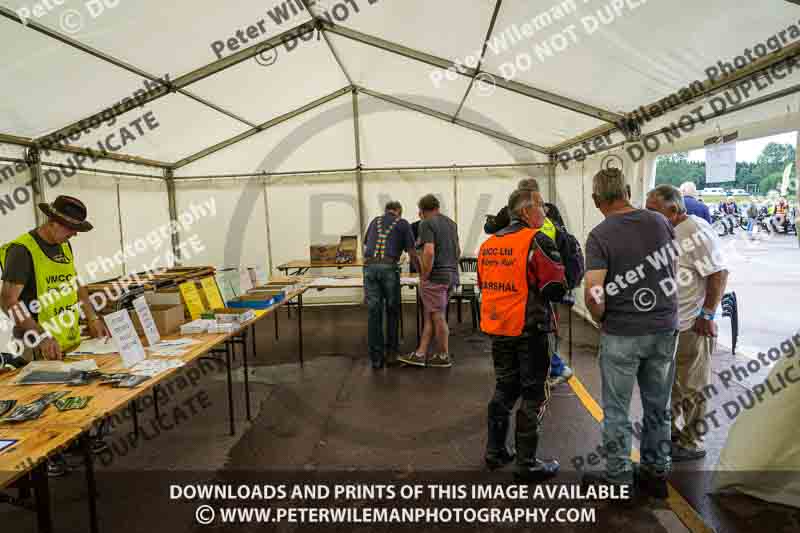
[173, 215]
[34, 161]
[267, 183]
[359, 174]
[551, 183]
[797, 189]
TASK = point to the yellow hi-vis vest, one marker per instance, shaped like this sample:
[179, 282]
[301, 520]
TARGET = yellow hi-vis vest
[56, 285]
[549, 229]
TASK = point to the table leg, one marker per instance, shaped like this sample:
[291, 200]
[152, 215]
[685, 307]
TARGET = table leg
[91, 486]
[44, 515]
[247, 375]
[300, 326]
[135, 418]
[277, 314]
[228, 348]
[155, 402]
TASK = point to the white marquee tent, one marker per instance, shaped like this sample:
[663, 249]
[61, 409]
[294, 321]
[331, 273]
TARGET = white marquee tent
[303, 138]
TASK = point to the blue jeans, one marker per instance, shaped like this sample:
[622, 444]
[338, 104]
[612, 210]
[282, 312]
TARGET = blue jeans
[750, 223]
[647, 359]
[382, 285]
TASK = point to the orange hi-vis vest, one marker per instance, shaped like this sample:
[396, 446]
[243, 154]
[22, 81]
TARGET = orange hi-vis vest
[503, 273]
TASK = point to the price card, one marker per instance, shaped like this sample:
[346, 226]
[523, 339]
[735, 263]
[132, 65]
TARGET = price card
[192, 299]
[213, 296]
[122, 330]
[245, 283]
[146, 320]
[225, 286]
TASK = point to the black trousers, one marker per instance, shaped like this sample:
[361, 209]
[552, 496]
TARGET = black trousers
[521, 366]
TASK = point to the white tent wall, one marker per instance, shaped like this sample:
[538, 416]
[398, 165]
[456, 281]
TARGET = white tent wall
[99, 193]
[313, 209]
[215, 229]
[144, 212]
[484, 191]
[15, 218]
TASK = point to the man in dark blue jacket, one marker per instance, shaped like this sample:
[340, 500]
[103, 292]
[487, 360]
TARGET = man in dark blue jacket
[693, 206]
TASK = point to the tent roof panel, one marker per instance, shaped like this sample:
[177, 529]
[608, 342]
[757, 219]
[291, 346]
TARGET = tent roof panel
[321, 138]
[452, 29]
[642, 55]
[399, 76]
[45, 84]
[172, 37]
[527, 119]
[180, 126]
[268, 86]
[427, 140]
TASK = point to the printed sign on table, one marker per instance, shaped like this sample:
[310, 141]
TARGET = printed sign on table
[146, 320]
[192, 299]
[212, 293]
[122, 331]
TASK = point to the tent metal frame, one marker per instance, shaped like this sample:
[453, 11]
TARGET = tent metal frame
[317, 23]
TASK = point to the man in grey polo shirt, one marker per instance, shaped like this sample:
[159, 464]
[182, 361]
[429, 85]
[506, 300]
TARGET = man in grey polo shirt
[628, 262]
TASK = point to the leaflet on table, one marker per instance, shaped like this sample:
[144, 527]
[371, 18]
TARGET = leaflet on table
[153, 367]
[146, 320]
[228, 287]
[192, 299]
[121, 328]
[172, 348]
[103, 346]
[213, 296]
[245, 283]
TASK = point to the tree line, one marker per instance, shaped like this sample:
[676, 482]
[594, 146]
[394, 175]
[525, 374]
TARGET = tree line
[766, 172]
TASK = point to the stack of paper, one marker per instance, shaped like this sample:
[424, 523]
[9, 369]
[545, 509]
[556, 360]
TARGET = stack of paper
[103, 346]
[223, 327]
[197, 326]
[153, 367]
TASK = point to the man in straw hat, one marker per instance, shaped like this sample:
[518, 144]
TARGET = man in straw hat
[40, 290]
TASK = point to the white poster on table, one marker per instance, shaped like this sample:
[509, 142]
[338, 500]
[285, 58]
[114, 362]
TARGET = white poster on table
[130, 347]
[147, 321]
[245, 283]
[720, 163]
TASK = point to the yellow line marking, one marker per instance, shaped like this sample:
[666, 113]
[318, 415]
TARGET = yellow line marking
[684, 511]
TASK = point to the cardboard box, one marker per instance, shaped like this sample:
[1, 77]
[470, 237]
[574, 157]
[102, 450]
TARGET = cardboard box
[323, 253]
[168, 318]
[347, 252]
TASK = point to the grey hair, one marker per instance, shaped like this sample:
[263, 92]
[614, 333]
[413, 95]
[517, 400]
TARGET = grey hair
[670, 196]
[528, 184]
[688, 188]
[519, 200]
[608, 186]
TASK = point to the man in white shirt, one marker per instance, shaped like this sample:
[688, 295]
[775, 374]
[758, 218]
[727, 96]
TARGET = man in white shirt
[701, 281]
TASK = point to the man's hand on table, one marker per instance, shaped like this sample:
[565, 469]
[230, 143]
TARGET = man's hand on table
[50, 349]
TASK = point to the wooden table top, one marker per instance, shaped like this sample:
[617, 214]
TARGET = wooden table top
[33, 448]
[56, 429]
[306, 263]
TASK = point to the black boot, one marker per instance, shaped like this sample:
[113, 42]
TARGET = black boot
[529, 468]
[497, 453]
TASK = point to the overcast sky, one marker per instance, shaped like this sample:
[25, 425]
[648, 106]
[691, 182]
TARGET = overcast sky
[750, 150]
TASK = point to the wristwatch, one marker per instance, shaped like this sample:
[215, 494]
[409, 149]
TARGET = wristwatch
[704, 314]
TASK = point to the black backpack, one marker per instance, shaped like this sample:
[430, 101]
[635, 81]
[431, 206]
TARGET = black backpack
[568, 247]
